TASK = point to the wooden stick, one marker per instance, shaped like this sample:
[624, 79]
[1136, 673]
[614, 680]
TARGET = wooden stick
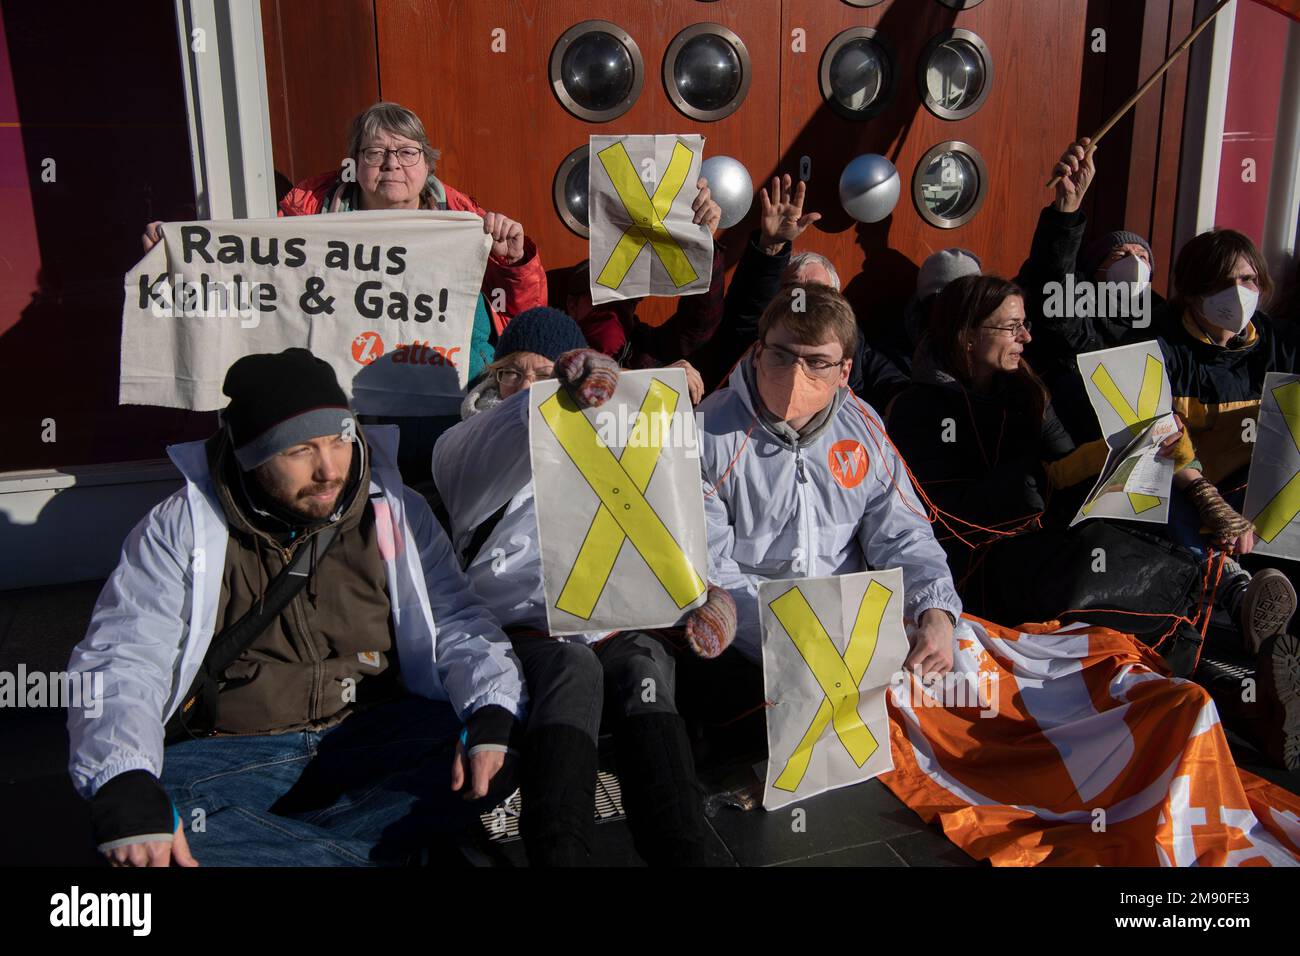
[1164, 67]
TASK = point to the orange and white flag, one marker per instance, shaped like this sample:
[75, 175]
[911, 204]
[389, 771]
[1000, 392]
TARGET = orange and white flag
[1079, 750]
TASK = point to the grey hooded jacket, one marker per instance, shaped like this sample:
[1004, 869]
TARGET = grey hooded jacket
[833, 501]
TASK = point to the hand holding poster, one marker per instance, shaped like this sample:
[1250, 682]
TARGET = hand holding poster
[1273, 486]
[620, 506]
[1129, 390]
[387, 298]
[644, 240]
[831, 647]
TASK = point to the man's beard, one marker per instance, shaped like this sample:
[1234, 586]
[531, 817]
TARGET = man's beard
[309, 507]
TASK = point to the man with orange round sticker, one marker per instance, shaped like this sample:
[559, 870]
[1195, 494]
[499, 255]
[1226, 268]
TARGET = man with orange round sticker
[800, 479]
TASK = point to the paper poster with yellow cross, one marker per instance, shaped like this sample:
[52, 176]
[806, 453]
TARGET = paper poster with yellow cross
[620, 505]
[643, 240]
[1273, 486]
[831, 646]
[1129, 390]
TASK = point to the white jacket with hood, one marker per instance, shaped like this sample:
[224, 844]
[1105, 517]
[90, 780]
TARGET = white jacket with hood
[479, 466]
[155, 617]
[776, 509]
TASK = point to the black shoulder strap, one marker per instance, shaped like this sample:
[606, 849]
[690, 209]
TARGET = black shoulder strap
[481, 534]
[197, 710]
[237, 637]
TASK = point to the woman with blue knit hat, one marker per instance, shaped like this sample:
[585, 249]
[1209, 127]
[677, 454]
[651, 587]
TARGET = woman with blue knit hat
[484, 475]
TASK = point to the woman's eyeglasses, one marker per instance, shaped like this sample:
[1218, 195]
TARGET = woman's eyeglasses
[510, 377]
[1015, 330]
[406, 156]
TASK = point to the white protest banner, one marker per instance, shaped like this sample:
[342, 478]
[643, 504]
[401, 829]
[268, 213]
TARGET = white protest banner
[620, 506]
[643, 240]
[1273, 487]
[1129, 390]
[386, 297]
[831, 648]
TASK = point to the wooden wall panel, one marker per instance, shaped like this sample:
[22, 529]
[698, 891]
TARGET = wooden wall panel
[321, 70]
[501, 129]
[503, 133]
[1037, 50]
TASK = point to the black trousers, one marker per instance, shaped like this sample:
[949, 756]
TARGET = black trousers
[629, 681]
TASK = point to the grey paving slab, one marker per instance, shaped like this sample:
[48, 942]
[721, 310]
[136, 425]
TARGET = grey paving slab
[869, 854]
[866, 813]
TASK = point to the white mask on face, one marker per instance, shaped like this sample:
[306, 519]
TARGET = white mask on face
[1130, 269]
[1231, 308]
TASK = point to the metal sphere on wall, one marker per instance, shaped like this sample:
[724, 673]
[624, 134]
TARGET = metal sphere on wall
[869, 187]
[731, 186]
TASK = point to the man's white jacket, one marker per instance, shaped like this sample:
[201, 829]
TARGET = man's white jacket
[479, 466]
[155, 618]
[835, 502]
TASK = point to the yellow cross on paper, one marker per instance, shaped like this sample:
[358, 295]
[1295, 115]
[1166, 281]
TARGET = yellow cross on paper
[838, 676]
[1148, 402]
[648, 214]
[624, 513]
[1277, 514]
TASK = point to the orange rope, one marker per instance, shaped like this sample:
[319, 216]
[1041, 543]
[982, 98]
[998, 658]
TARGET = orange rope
[735, 458]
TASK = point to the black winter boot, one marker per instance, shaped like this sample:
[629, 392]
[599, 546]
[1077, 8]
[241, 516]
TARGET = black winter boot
[664, 809]
[558, 796]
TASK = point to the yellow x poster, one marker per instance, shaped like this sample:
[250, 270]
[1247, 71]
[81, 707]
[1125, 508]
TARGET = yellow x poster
[620, 504]
[643, 241]
[1129, 390]
[1273, 488]
[831, 647]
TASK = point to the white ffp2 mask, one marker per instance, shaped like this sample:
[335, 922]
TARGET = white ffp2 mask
[1230, 308]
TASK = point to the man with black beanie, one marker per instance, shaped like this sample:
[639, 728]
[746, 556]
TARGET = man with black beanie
[286, 634]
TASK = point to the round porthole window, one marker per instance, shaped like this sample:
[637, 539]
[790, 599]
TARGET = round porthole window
[863, 3]
[596, 70]
[961, 4]
[707, 71]
[956, 74]
[570, 191]
[857, 73]
[949, 184]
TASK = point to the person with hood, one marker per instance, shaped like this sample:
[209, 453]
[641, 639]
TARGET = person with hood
[801, 480]
[768, 263]
[483, 472]
[288, 649]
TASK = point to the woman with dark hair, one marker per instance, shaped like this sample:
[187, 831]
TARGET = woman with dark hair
[976, 425]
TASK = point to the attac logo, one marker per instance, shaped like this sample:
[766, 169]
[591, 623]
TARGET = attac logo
[367, 347]
[848, 462]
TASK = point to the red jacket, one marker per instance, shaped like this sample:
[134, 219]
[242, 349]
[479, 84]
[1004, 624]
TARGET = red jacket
[524, 282]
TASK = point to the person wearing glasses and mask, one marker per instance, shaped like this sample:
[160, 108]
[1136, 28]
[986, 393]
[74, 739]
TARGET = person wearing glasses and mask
[577, 684]
[800, 480]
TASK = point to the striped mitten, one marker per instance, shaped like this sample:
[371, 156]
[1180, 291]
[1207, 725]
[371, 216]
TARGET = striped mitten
[711, 627]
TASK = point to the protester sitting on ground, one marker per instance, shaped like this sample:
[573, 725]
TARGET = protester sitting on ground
[976, 426]
[800, 480]
[766, 266]
[484, 475]
[1067, 293]
[316, 727]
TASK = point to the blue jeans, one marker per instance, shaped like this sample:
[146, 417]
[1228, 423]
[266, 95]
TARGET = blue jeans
[371, 790]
